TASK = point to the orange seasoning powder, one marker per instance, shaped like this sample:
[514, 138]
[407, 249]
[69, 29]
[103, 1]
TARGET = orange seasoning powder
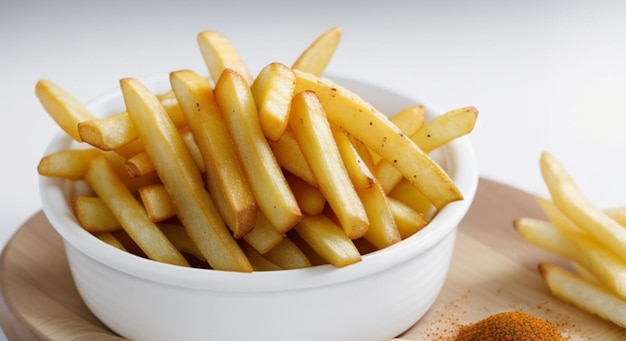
[510, 326]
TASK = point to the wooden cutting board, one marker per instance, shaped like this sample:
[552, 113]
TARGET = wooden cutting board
[492, 270]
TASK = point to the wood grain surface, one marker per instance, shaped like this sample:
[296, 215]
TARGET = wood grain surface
[492, 270]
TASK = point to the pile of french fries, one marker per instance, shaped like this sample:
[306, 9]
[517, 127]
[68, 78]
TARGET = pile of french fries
[233, 172]
[592, 239]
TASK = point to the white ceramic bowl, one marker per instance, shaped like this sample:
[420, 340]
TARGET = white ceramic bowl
[375, 299]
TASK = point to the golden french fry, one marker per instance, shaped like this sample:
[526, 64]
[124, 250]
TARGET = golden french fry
[407, 219]
[94, 215]
[130, 149]
[383, 230]
[367, 157]
[328, 240]
[139, 165]
[357, 169]
[264, 236]
[579, 247]
[369, 125]
[259, 263]
[409, 195]
[105, 183]
[157, 202]
[545, 235]
[309, 198]
[556, 217]
[586, 295]
[219, 54]
[69, 164]
[65, 109]
[573, 203]
[315, 138]
[193, 148]
[436, 133]
[194, 206]
[117, 130]
[133, 183]
[410, 120]
[109, 132]
[316, 57]
[618, 214]
[271, 191]
[272, 91]
[287, 255]
[310, 253]
[110, 239]
[289, 156]
[224, 175]
[445, 128]
[179, 237]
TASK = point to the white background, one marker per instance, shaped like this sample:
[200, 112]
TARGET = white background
[545, 75]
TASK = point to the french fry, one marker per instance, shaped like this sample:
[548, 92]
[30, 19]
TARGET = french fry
[310, 253]
[578, 247]
[109, 132]
[289, 156]
[309, 198]
[584, 294]
[408, 194]
[357, 169]
[130, 149]
[224, 175]
[287, 255]
[105, 183]
[133, 183]
[618, 214]
[182, 179]
[271, 191]
[110, 239]
[560, 220]
[410, 120]
[328, 240]
[69, 164]
[445, 128]
[382, 231]
[115, 131]
[139, 165]
[179, 237]
[572, 202]
[434, 134]
[407, 219]
[65, 109]
[157, 202]
[316, 57]
[272, 90]
[264, 236]
[367, 157]
[369, 125]
[259, 263]
[219, 54]
[545, 235]
[314, 136]
[94, 215]
[193, 148]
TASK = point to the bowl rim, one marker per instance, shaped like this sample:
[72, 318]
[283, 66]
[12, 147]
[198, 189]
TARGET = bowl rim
[58, 212]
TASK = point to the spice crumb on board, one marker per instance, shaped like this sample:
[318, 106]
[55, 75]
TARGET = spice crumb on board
[446, 320]
[510, 326]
